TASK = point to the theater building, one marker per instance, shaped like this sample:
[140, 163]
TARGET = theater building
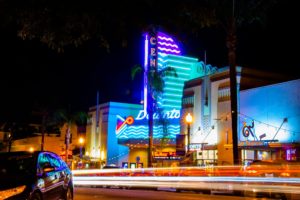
[118, 133]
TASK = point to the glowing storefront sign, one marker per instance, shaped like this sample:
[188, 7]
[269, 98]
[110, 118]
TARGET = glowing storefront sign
[129, 127]
[173, 114]
[252, 143]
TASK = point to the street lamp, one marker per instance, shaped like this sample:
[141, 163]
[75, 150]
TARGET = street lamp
[81, 141]
[189, 120]
[31, 149]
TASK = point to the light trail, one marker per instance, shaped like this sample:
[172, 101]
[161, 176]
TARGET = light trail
[269, 185]
[190, 178]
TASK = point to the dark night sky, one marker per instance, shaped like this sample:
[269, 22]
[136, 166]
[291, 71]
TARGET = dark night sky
[32, 75]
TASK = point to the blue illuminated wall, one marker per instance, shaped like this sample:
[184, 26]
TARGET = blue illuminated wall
[118, 153]
[274, 111]
[185, 70]
[107, 141]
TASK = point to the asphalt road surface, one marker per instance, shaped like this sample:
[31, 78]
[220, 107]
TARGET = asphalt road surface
[82, 193]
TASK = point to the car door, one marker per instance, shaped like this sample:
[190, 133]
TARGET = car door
[47, 179]
[59, 174]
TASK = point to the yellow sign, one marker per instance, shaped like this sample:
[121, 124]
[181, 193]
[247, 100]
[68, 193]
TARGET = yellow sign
[228, 146]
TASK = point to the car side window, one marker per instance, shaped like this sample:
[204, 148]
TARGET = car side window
[54, 161]
[43, 161]
[62, 162]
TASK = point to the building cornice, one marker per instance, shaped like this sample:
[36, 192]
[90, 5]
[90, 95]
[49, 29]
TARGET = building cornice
[193, 83]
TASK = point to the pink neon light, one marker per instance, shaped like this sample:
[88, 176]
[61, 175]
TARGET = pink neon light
[168, 50]
[167, 44]
[165, 38]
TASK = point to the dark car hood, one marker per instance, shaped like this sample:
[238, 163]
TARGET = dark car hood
[7, 182]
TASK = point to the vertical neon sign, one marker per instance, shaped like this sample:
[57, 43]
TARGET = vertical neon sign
[153, 50]
[150, 59]
[145, 72]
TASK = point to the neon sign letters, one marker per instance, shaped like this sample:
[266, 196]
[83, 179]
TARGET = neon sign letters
[172, 114]
[153, 50]
[121, 122]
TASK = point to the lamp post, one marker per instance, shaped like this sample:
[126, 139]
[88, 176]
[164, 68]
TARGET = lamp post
[81, 141]
[31, 149]
[189, 120]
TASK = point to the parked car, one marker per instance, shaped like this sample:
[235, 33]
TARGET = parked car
[34, 176]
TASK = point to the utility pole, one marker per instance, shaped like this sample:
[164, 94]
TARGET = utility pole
[231, 45]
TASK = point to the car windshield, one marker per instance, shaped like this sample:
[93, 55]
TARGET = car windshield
[16, 164]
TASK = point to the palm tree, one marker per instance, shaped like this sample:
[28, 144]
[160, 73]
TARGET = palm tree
[66, 117]
[155, 88]
[13, 129]
[45, 114]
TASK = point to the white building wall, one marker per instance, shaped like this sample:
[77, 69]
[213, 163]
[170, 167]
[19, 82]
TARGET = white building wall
[215, 114]
[195, 133]
[268, 107]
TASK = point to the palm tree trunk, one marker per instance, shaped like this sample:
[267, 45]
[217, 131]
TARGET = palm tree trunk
[9, 144]
[231, 45]
[43, 133]
[68, 134]
[150, 125]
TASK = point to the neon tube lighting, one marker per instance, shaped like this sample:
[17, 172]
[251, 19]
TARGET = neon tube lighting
[171, 106]
[172, 89]
[162, 54]
[146, 53]
[167, 44]
[165, 38]
[145, 72]
[171, 100]
[168, 50]
[189, 59]
[176, 61]
[176, 79]
[173, 95]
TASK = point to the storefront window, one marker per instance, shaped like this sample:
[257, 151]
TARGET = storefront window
[264, 155]
[291, 154]
[125, 165]
[132, 165]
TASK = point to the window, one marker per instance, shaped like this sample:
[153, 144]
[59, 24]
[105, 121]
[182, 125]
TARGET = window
[43, 161]
[291, 154]
[54, 161]
[188, 101]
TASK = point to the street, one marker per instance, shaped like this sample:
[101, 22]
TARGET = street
[82, 193]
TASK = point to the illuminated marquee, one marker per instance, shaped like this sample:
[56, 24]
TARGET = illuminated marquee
[173, 114]
[129, 127]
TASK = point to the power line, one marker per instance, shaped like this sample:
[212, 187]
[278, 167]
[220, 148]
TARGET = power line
[291, 131]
